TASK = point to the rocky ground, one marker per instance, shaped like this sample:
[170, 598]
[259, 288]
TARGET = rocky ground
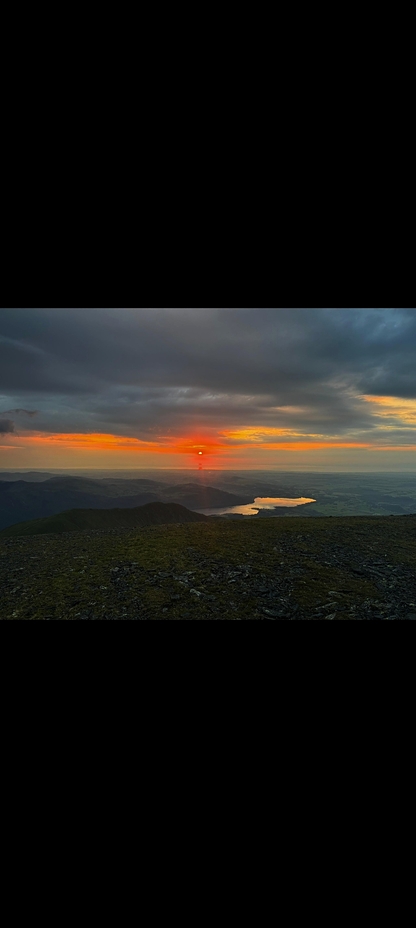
[330, 568]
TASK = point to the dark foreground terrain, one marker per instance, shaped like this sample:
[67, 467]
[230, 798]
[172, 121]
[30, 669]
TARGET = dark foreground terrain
[329, 568]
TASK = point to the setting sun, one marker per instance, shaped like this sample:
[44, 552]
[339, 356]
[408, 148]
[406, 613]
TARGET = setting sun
[303, 509]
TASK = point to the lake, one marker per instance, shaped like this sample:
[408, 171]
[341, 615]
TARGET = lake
[251, 509]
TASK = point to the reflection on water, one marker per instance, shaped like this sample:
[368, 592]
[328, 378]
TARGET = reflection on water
[260, 502]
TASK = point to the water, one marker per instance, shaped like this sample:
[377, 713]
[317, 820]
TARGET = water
[260, 502]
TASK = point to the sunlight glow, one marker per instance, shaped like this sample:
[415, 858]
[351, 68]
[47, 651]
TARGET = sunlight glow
[240, 447]
[393, 407]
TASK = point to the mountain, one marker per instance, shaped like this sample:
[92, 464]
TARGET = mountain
[34, 476]
[21, 500]
[78, 520]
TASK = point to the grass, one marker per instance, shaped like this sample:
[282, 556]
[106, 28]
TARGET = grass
[61, 576]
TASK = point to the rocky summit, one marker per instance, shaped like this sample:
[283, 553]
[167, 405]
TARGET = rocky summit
[360, 568]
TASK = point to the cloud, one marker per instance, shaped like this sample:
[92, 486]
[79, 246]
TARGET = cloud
[144, 373]
[6, 426]
[27, 412]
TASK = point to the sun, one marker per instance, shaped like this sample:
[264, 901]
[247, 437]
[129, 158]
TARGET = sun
[199, 452]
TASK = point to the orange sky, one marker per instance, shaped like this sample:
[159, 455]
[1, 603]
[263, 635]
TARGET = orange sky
[251, 388]
[236, 448]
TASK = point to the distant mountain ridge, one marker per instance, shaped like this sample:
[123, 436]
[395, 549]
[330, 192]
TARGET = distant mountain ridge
[22, 500]
[33, 476]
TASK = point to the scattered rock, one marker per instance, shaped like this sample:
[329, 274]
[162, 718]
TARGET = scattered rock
[47, 587]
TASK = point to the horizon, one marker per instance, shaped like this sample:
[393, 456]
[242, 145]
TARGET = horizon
[232, 470]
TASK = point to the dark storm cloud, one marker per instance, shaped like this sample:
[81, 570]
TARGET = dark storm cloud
[141, 372]
[6, 426]
[27, 412]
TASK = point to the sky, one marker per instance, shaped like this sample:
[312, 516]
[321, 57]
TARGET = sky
[285, 389]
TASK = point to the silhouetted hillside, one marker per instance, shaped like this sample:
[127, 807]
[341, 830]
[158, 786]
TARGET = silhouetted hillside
[21, 500]
[30, 475]
[78, 520]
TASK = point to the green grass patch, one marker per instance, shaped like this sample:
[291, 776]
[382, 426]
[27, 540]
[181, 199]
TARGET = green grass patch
[65, 576]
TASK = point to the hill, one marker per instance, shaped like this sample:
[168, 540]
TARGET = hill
[21, 500]
[80, 520]
[32, 476]
[359, 568]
